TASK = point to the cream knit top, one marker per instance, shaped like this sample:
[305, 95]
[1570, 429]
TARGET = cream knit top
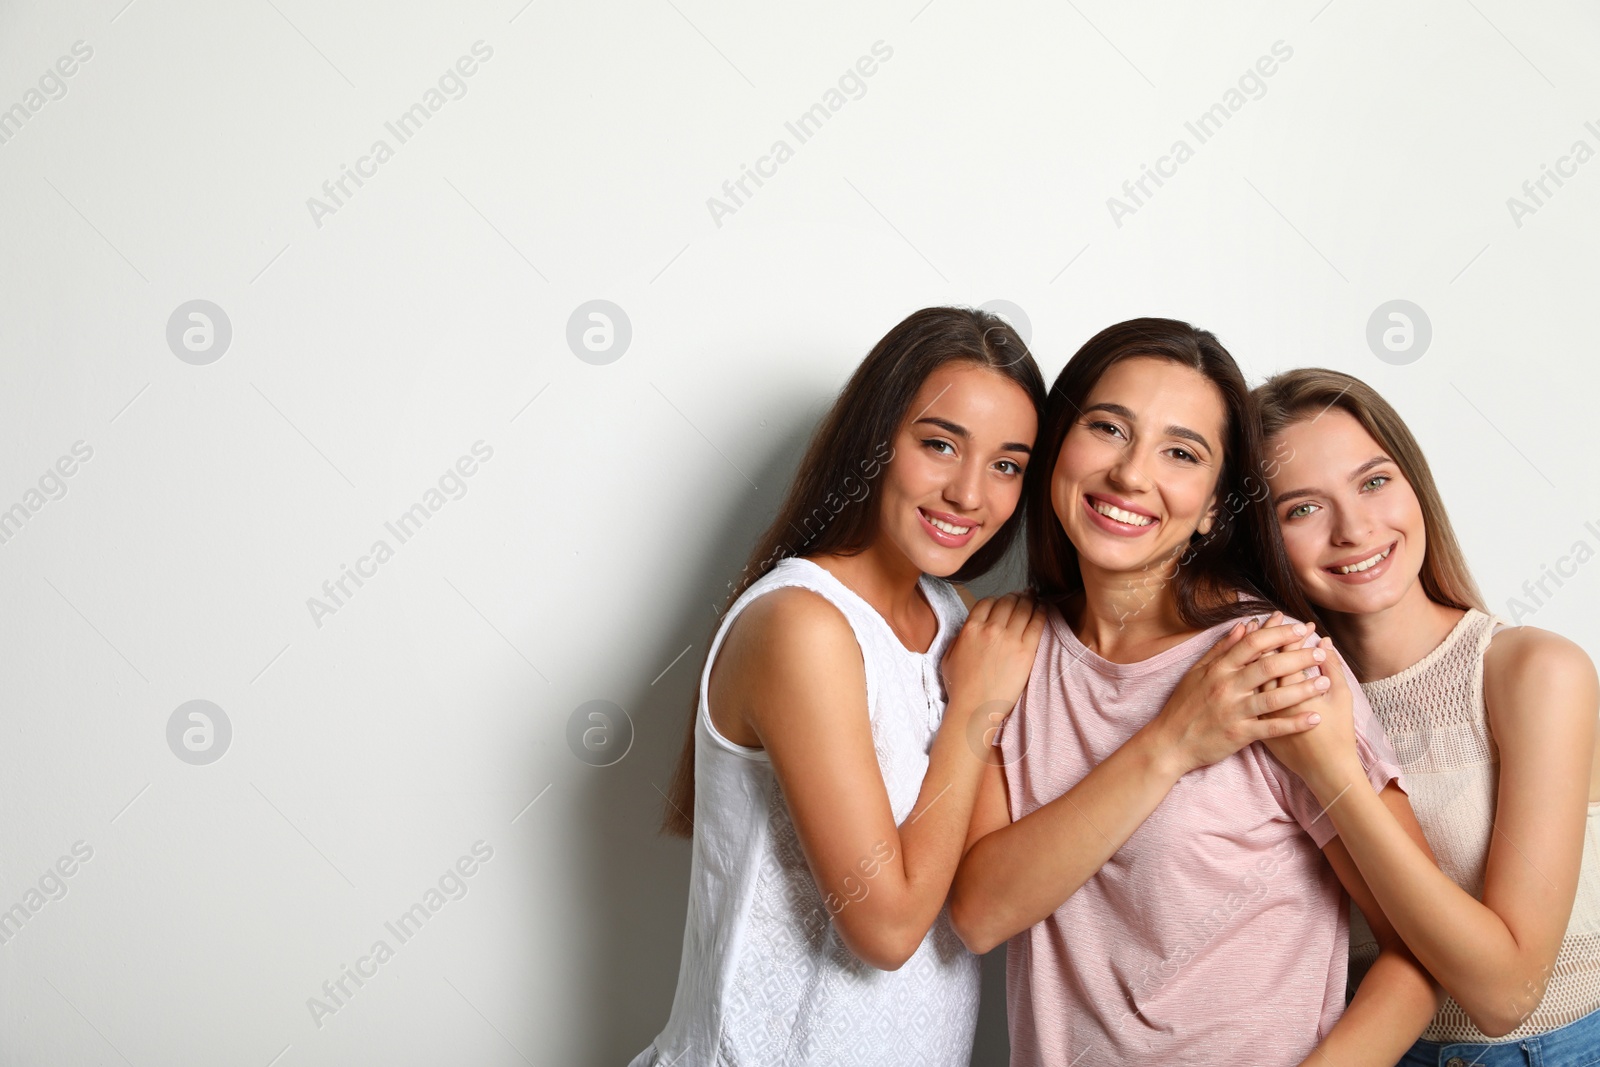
[1434, 715]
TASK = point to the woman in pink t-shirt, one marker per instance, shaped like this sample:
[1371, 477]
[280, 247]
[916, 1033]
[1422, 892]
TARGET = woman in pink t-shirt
[1158, 874]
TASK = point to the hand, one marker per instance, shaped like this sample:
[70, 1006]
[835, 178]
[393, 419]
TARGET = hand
[1223, 703]
[1325, 758]
[989, 661]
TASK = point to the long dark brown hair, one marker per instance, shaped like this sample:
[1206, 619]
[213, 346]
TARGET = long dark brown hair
[1243, 551]
[822, 514]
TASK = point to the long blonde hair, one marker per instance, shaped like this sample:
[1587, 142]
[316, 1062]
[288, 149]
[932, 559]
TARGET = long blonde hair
[1301, 395]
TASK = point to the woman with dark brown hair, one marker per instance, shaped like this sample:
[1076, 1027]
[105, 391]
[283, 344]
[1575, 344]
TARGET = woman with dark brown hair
[1494, 725]
[827, 777]
[1172, 893]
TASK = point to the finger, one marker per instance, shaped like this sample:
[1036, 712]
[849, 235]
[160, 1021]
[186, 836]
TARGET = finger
[1228, 640]
[1032, 633]
[1334, 667]
[1280, 666]
[1286, 696]
[1003, 609]
[980, 611]
[1022, 615]
[1281, 726]
[1285, 635]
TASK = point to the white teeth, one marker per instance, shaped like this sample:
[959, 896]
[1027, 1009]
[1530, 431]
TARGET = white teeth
[1371, 561]
[949, 528]
[1128, 517]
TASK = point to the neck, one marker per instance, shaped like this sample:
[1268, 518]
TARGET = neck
[1128, 616]
[1390, 640]
[884, 578]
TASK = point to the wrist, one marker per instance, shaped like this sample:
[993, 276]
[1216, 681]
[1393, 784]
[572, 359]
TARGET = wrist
[1160, 752]
[1329, 784]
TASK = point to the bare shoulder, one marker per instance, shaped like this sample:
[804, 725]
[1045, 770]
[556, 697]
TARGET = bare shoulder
[1528, 664]
[1521, 651]
[787, 634]
[789, 649]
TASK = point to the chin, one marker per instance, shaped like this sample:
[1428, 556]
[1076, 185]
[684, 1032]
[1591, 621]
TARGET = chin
[1367, 601]
[931, 559]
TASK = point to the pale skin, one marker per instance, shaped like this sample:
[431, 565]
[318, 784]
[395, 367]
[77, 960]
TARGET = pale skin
[1150, 436]
[1341, 498]
[789, 677]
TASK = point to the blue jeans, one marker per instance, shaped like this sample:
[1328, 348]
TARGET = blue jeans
[1574, 1045]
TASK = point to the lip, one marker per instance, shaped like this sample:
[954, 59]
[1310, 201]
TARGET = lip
[941, 538]
[1112, 526]
[1366, 577]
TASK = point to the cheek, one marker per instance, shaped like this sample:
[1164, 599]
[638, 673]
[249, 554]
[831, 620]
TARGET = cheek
[1077, 458]
[908, 474]
[1190, 491]
[1300, 545]
[1003, 498]
[1406, 514]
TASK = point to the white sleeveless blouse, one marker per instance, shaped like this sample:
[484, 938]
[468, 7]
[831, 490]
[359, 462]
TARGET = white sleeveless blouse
[1434, 714]
[764, 980]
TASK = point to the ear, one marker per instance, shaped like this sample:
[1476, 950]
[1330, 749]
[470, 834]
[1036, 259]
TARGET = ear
[1207, 522]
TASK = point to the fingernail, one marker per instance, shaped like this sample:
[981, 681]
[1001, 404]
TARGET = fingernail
[1319, 655]
[1300, 629]
[1314, 719]
[1322, 682]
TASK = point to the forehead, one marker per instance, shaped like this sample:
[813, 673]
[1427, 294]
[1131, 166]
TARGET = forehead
[1332, 444]
[971, 394]
[1160, 391]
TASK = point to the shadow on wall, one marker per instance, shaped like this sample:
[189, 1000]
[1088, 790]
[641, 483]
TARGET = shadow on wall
[635, 883]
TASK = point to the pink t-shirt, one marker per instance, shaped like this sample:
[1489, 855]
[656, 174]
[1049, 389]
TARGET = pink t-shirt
[1217, 934]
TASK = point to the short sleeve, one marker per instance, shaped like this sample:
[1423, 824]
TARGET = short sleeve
[1372, 747]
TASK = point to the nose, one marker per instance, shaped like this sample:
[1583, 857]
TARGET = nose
[1127, 474]
[1350, 526]
[964, 489]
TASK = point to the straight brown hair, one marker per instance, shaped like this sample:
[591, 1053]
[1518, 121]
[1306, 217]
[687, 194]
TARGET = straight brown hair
[820, 513]
[1303, 395]
[1241, 554]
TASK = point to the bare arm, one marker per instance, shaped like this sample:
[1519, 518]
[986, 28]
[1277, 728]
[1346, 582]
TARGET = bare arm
[1492, 955]
[795, 678]
[1015, 874]
[1396, 998]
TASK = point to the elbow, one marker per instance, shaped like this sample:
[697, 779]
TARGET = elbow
[1494, 1025]
[968, 922]
[886, 947]
[1507, 1006]
[889, 954]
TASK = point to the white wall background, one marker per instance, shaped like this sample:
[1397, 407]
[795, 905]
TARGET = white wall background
[373, 346]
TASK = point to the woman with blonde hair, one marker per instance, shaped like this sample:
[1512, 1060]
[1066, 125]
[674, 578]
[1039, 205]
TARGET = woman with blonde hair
[1494, 727]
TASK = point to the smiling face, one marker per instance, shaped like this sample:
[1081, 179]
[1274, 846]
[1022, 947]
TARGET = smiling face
[956, 475]
[1137, 473]
[1352, 525]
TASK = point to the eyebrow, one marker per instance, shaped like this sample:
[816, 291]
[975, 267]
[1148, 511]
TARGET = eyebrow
[1376, 461]
[957, 430]
[1173, 430]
